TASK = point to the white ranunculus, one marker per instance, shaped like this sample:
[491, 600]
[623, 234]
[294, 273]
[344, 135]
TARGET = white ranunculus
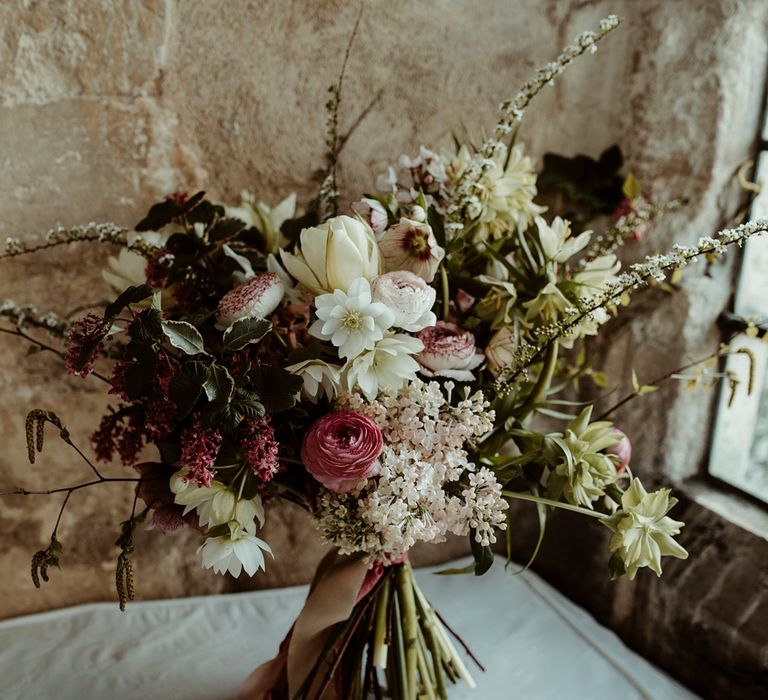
[320, 379]
[411, 245]
[501, 349]
[408, 296]
[332, 256]
[235, 552]
[389, 365]
[351, 320]
[256, 298]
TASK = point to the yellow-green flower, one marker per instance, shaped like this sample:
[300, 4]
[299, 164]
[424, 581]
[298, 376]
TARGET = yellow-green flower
[642, 531]
[579, 460]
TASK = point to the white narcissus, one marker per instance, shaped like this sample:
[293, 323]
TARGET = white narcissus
[351, 320]
[320, 379]
[408, 296]
[389, 365]
[642, 530]
[332, 256]
[234, 552]
[548, 304]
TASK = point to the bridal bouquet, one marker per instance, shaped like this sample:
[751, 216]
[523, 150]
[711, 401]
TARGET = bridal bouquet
[380, 368]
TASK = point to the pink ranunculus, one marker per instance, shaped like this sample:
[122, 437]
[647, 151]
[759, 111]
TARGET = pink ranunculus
[341, 450]
[449, 351]
[622, 450]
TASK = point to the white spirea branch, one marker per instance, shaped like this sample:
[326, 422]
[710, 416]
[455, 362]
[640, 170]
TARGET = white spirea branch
[103, 233]
[653, 268]
[512, 112]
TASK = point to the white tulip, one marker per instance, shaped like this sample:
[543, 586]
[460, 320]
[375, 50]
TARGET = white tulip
[332, 256]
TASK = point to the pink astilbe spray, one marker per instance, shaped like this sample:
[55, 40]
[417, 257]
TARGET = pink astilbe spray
[160, 409]
[257, 438]
[120, 431]
[85, 337]
[199, 448]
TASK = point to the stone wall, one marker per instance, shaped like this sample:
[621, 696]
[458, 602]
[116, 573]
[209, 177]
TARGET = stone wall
[106, 106]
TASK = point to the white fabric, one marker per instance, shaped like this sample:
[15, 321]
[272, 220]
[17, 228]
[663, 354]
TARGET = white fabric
[534, 643]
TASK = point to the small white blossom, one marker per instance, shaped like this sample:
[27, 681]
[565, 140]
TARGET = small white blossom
[351, 320]
[389, 365]
[235, 552]
[643, 531]
[320, 379]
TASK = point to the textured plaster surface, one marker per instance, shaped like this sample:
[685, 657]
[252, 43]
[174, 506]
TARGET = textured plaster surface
[106, 106]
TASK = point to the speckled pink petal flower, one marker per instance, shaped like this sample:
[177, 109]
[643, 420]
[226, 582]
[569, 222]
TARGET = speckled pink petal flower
[449, 351]
[255, 298]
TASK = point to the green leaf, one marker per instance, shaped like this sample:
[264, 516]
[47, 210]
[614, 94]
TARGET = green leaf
[225, 229]
[147, 327]
[541, 510]
[187, 385]
[219, 385]
[249, 409]
[132, 295]
[166, 211]
[276, 387]
[291, 228]
[245, 331]
[453, 572]
[616, 566]
[223, 414]
[141, 371]
[184, 336]
[438, 226]
[204, 213]
[483, 555]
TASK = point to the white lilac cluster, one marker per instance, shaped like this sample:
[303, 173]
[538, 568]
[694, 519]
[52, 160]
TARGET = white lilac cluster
[427, 487]
[512, 112]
